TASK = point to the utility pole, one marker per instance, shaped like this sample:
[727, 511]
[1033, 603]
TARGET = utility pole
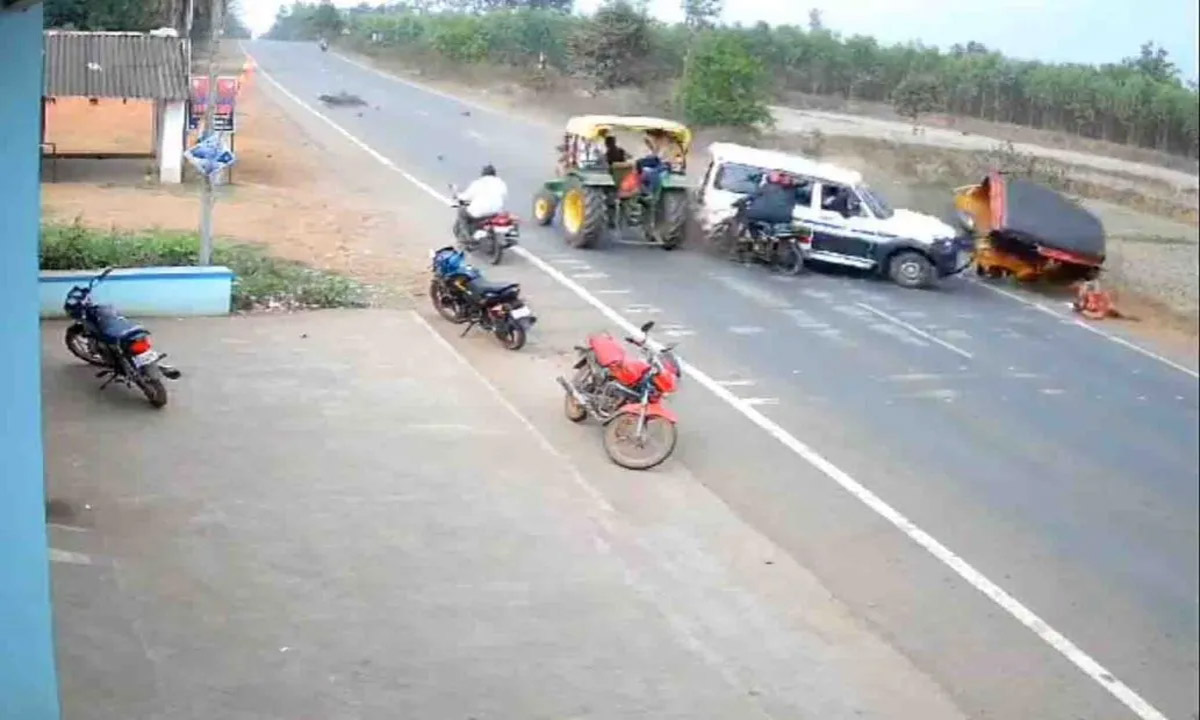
[208, 199]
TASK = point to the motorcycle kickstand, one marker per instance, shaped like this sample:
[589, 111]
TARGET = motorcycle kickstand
[469, 326]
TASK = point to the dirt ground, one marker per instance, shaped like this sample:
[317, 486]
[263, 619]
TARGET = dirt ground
[279, 198]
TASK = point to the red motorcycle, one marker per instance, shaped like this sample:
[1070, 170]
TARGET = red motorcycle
[625, 393]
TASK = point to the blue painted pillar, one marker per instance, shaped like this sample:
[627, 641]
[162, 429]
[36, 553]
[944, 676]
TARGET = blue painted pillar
[28, 685]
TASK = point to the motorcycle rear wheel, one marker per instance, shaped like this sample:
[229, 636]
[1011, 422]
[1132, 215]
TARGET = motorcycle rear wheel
[495, 250]
[83, 347]
[512, 336]
[152, 387]
[656, 445]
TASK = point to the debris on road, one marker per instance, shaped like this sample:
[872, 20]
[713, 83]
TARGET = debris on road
[342, 99]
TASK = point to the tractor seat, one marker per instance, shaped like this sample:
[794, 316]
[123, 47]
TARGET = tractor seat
[113, 326]
[491, 290]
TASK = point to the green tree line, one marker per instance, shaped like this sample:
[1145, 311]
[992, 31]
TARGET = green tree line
[140, 16]
[1137, 101]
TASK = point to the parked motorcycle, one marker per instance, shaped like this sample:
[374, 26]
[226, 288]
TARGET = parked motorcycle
[625, 394]
[781, 247]
[102, 337]
[461, 295]
[492, 235]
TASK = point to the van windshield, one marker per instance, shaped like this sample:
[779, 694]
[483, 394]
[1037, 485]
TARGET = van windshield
[877, 203]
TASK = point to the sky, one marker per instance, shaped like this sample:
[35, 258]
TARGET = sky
[1090, 31]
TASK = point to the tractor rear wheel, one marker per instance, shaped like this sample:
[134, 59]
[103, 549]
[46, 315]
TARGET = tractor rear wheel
[584, 214]
[673, 216]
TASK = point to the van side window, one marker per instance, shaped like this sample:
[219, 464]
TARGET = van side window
[735, 178]
[804, 191]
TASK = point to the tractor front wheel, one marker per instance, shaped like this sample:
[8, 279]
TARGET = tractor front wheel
[584, 214]
[544, 205]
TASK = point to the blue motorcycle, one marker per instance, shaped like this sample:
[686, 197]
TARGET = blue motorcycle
[460, 294]
[102, 337]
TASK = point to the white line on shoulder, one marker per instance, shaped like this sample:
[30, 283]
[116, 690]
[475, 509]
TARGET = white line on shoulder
[961, 567]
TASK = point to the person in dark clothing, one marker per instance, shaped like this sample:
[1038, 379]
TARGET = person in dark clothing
[614, 153]
[773, 202]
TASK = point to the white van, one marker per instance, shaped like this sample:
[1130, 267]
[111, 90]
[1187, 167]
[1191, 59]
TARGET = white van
[851, 224]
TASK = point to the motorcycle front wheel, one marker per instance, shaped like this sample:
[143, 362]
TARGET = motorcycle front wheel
[627, 449]
[83, 346]
[446, 307]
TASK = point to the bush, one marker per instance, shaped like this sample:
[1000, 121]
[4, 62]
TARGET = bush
[612, 46]
[260, 280]
[723, 84]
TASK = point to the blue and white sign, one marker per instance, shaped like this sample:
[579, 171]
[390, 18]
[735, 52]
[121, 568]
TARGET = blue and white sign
[209, 156]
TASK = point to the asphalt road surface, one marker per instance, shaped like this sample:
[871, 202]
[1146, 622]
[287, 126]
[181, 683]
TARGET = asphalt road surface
[1059, 463]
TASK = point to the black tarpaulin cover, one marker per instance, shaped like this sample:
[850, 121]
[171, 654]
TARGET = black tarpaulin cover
[1028, 212]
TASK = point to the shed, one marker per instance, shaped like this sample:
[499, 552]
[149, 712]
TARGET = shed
[126, 66]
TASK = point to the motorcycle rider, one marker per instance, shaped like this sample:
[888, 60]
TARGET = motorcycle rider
[483, 198]
[773, 201]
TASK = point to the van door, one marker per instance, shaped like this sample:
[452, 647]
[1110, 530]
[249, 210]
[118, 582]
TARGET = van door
[841, 232]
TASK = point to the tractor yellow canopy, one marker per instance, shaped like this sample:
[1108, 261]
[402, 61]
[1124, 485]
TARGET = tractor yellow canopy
[590, 127]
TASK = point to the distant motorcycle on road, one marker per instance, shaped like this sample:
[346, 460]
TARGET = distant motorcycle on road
[102, 337]
[323, 44]
[625, 394]
[491, 235]
[460, 294]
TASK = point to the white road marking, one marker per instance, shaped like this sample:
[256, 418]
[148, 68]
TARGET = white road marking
[1051, 391]
[477, 136]
[915, 377]
[746, 329]
[804, 320]
[71, 558]
[917, 331]
[641, 309]
[1090, 328]
[676, 331]
[943, 394]
[590, 276]
[736, 383]
[898, 333]
[614, 291]
[68, 528]
[1018, 611]
[752, 401]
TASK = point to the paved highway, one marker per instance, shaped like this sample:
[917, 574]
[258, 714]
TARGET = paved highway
[1059, 463]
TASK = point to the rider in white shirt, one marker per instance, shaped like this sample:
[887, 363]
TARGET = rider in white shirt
[485, 196]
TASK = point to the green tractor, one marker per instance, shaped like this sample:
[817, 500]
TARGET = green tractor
[596, 196]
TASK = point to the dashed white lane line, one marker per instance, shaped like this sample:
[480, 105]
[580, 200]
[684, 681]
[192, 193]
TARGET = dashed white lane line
[477, 137]
[590, 276]
[69, 558]
[1015, 608]
[736, 383]
[1089, 327]
[614, 291]
[752, 401]
[642, 309]
[916, 331]
[746, 329]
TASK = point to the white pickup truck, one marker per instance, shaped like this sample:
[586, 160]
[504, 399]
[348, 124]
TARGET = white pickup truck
[851, 224]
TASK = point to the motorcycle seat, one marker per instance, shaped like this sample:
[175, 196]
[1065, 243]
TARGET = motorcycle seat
[487, 289]
[113, 326]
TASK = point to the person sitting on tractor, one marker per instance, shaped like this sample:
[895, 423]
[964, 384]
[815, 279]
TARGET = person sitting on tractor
[483, 198]
[614, 154]
[650, 167]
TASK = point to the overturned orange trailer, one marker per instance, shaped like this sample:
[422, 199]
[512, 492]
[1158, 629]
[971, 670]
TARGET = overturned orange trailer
[1029, 231]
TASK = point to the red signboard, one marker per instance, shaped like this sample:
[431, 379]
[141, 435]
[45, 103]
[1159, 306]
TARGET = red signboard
[227, 90]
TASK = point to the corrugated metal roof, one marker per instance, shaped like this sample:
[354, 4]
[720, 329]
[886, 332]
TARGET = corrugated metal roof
[115, 65]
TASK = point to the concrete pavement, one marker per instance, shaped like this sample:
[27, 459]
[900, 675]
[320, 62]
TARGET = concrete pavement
[337, 517]
[1061, 464]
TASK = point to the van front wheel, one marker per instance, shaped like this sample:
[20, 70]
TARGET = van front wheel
[911, 269]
